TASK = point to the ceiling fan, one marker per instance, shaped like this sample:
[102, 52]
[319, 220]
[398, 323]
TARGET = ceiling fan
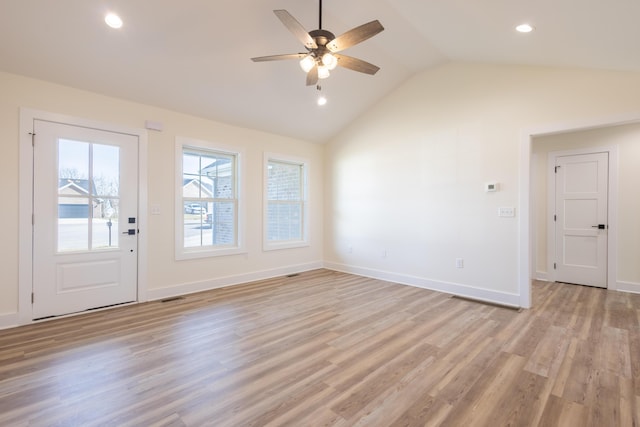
[323, 47]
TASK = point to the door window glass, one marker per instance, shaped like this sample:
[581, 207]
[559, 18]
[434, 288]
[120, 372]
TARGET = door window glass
[88, 196]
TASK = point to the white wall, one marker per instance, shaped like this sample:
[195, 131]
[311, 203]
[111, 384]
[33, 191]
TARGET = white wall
[402, 186]
[407, 177]
[165, 275]
[627, 139]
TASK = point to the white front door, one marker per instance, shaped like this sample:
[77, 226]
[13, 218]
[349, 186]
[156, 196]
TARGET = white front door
[581, 218]
[85, 224]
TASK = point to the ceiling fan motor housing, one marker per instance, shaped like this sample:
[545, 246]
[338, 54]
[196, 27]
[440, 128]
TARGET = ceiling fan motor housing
[322, 37]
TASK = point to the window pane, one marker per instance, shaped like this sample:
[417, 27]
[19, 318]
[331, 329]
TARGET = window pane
[284, 221]
[191, 164]
[192, 236]
[223, 187]
[73, 161]
[73, 224]
[106, 170]
[221, 224]
[220, 176]
[284, 181]
[191, 186]
[105, 233]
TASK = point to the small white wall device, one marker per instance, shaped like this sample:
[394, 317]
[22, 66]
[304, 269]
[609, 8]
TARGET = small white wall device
[490, 187]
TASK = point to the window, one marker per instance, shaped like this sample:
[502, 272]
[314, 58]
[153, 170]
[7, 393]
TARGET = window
[208, 206]
[286, 203]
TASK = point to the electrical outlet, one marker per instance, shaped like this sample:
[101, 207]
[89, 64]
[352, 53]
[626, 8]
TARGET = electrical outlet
[459, 263]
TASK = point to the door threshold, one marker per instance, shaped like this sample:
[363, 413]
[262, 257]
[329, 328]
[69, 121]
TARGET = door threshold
[88, 310]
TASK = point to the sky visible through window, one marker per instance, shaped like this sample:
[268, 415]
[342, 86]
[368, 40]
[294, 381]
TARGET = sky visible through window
[74, 155]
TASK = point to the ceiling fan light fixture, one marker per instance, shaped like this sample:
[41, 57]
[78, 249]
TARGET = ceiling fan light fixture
[323, 72]
[329, 61]
[307, 63]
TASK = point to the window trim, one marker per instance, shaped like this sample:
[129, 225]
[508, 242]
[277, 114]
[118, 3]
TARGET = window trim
[289, 244]
[186, 253]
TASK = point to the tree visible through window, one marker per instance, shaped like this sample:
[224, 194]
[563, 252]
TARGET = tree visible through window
[285, 202]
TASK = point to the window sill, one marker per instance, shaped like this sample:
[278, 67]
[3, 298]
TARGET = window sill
[197, 253]
[285, 245]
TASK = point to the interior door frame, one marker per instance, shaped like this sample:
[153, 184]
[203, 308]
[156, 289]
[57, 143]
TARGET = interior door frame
[612, 209]
[526, 203]
[25, 208]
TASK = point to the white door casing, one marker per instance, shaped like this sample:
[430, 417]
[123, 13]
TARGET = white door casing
[581, 218]
[74, 268]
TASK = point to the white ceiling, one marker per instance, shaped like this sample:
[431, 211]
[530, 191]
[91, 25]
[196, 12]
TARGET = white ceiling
[193, 56]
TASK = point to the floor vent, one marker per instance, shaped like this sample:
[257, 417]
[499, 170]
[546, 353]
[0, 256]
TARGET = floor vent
[171, 299]
[493, 304]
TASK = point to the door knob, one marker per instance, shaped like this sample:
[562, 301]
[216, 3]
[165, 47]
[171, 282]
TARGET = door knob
[130, 232]
[599, 226]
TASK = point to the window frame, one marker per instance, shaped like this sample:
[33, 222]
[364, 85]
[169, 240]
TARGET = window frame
[238, 247]
[304, 202]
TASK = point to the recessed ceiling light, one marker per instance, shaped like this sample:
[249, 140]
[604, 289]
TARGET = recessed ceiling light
[113, 20]
[524, 28]
[322, 100]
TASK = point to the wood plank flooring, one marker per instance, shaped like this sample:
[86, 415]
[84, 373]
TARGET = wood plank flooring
[331, 349]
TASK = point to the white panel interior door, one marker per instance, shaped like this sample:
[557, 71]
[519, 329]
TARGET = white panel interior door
[85, 203]
[581, 222]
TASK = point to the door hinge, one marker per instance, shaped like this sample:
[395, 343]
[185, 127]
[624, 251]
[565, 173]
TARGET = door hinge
[554, 218]
[554, 265]
[555, 169]
[33, 297]
[33, 138]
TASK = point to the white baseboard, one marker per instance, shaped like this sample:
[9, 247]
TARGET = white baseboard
[496, 297]
[542, 276]
[220, 282]
[628, 287]
[9, 320]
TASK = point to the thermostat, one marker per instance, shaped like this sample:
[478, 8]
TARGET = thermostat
[491, 186]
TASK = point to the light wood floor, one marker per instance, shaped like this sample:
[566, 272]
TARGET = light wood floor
[327, 348]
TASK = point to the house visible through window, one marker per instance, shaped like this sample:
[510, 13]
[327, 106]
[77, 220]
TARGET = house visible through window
[209, 202]
[286, 195]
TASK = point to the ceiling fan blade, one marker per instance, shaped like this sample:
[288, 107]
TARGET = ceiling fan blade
[312, 76]
[355, 36]
[279, 57]
[296, 28]
[356, 64]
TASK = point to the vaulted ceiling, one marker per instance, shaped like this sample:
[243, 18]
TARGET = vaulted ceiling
[193, 56]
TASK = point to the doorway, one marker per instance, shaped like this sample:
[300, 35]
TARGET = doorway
[81, 186]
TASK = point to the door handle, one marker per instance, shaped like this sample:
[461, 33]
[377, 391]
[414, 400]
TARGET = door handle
[599, 226]
[130, 232]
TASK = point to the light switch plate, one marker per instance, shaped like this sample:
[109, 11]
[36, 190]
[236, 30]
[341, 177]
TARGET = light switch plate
[507, 212]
